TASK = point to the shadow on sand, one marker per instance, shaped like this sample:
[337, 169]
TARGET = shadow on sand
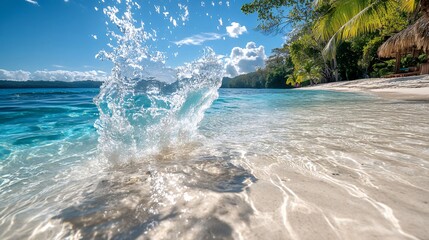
[191, 200]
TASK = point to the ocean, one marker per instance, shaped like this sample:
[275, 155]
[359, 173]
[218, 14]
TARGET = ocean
[261, 164]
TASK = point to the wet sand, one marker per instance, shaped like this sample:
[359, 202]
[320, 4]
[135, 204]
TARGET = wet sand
[402, 88]
[339, 166]
[275, 164]
[376, 192]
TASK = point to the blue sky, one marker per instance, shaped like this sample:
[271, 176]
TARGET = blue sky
[65, 35]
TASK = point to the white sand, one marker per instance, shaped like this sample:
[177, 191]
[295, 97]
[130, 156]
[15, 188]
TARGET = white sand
[406, 88]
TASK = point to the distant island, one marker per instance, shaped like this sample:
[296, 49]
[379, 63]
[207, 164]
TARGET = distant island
[253, 80]
[250, 80]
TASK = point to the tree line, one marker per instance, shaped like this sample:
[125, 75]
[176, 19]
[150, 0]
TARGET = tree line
[331, 40]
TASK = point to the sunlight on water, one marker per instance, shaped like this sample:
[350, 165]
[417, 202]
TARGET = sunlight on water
[157, 153]
[345, 164]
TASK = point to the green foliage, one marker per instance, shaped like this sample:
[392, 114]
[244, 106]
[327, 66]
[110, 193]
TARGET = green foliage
[423, 58]
[250, 80]
[348, 61]
[275, 15]
[370, 52]
[292, 80]
[348, 32]
[278, 67]
[347, 19]
[393, 23]
[383, 68]
[310, 72]
[371, 42]
[408, 61]
[307, 61]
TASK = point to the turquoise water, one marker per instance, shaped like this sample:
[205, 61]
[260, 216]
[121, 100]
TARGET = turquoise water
[53, 183]
[41, 127]
[44, 128]
[49, 126]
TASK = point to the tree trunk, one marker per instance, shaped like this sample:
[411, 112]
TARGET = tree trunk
[335, 69]
[327, 73]
[424, 7]
[398, 62]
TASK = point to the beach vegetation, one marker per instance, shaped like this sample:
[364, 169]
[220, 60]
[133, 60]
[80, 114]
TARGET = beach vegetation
[383, 68]
[423, 58]
[334, 40]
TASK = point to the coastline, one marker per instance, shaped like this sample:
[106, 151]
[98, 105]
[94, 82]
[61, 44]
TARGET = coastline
[402, 88]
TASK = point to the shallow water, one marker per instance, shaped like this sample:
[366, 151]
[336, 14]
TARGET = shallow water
[266, 164]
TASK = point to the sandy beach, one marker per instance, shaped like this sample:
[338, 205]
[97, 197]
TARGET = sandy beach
[403, 88]
[266, 164]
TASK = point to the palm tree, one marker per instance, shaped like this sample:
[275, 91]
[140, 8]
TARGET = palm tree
[346, 19]
[309, 71]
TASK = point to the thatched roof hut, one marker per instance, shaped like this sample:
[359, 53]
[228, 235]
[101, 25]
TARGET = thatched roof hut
[414, 38]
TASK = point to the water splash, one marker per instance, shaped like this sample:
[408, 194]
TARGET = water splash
[146, 106]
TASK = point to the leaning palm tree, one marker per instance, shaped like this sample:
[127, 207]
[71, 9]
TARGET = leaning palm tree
[346, 19]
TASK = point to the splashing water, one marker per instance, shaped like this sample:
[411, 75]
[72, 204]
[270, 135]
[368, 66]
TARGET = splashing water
[146, 106]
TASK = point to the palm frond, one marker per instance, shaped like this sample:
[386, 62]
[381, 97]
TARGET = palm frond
[409, 5]
[349, 18]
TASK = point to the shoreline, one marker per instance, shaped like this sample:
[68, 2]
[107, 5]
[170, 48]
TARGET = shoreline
[414, 88]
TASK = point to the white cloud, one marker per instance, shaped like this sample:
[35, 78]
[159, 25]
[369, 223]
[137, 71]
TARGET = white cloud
[14, 75]
[32, 2]
[56, 75]
[235, 30]
[245, 60]
[68, 76]
[199, 39]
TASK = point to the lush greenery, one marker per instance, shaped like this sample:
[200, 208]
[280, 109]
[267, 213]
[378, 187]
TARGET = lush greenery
[332, 40]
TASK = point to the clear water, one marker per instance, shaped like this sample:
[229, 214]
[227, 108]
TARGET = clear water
[264, 164]
[157, 153]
